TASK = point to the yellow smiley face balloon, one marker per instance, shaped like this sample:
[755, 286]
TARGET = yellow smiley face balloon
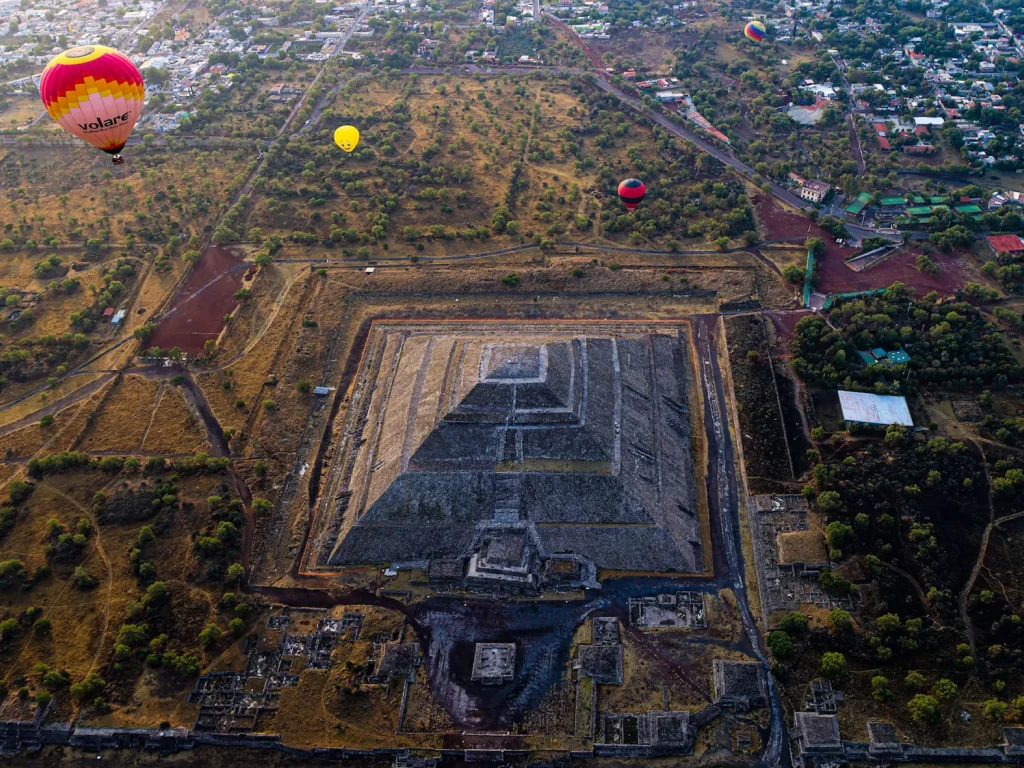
[346, 137]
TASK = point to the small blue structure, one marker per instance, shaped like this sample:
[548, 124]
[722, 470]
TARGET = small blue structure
[880, 356]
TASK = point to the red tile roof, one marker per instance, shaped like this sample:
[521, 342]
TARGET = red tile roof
[1008, 243]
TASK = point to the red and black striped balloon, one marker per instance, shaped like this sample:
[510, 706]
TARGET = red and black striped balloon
[631, 193]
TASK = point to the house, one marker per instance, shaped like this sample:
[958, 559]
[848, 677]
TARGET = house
[1011, 244]
[854, 209]
[892, 204]
[880, 356]
[815, 191]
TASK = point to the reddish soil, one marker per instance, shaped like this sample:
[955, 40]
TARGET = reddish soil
[199, 309]
[781, 224]
[835, 277]
[785, 327]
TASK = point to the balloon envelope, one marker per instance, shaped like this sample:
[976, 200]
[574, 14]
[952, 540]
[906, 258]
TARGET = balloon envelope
[346, 137]
[95, 93]
[755, 30]
[631, 193]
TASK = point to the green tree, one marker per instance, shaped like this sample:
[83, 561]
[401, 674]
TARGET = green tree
[210, 635]
[840, 620]
[793, 274]
[829, 502]
[794, 623]
[924, 709]
[833, 665]
[880, 690]
[946, 689]
[780, 644]
[235, 574]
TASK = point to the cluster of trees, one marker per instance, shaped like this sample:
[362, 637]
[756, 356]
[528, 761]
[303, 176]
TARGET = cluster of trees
[950, 342]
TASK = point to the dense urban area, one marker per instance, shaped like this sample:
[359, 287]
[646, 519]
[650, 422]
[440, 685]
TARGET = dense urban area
[640, 385]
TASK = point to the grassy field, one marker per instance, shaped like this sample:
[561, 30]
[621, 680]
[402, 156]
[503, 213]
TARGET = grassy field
[81, 236]
[446, 163]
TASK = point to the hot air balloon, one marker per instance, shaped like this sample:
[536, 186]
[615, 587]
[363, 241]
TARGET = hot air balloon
[95, 93]
[346, 137]
[631, 193]
[755, 30]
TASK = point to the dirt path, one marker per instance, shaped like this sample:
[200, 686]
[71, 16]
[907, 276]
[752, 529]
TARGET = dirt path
[57, 405]
[858, 155]
[152, 414]
[917, 590]
[965, 594]
[106, 561]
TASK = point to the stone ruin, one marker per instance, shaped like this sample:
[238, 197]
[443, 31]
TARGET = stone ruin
[679, 609]
[739, 684]
[601, 659]
[494, 663]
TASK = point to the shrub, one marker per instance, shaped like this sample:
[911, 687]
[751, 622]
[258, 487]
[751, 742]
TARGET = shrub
[924, 709]
[794, 623]
[880, 690]
[833, 665]
[995, 710]
[89, 688]
[11, 573]
[210, 635]
[915, 680]
[7, 629]
[82, 579]
[780, 644]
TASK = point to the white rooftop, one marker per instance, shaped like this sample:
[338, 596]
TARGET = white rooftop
[875, 409]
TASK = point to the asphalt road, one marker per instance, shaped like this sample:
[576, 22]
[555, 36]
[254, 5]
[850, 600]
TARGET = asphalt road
[723, 498]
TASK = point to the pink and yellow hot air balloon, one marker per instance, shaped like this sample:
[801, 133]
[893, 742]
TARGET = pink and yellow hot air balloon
[95, 93]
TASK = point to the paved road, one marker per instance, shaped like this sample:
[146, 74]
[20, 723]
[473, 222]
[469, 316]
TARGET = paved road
[723, 503]
[726, 157]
